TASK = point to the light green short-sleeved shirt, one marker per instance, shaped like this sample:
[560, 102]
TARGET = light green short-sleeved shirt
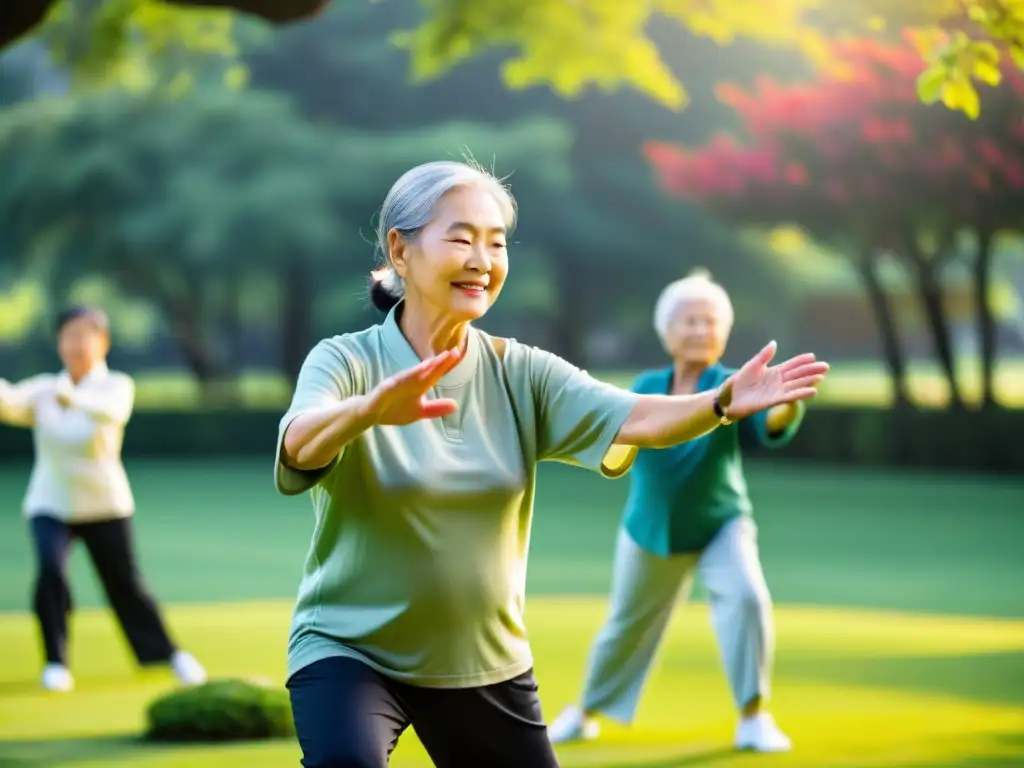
[417, 564]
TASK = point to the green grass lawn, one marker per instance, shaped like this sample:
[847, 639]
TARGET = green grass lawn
[850, 383]
[853, 689]
[901, 620]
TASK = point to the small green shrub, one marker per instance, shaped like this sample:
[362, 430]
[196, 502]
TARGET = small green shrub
[221, 710]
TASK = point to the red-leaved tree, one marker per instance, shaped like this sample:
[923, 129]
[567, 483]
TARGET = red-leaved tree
[856, 160]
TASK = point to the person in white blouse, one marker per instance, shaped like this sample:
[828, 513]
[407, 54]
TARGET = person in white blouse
[79, 490]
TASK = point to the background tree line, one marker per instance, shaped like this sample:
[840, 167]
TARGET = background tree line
[224, 174]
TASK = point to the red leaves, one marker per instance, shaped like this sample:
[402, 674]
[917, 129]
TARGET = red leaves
[855, 147]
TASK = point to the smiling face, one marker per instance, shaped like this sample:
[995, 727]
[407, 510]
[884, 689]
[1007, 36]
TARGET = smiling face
[456, 266]
[698, 332]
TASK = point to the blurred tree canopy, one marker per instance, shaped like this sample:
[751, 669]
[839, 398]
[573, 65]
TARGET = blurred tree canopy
[859, 162]
[204, 195]
[605, 245]
[574, 45]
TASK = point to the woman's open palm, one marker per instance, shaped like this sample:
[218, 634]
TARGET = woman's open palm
[402, 398]
[756, 386]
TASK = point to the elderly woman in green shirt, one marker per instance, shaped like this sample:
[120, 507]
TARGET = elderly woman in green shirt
[688, 513]
[420, 439]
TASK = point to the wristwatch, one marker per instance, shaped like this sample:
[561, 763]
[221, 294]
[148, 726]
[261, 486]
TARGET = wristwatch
[723, 397]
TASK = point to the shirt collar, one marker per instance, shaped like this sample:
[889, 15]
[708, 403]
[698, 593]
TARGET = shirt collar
[97, 372]
[403, 353]
[708, 378]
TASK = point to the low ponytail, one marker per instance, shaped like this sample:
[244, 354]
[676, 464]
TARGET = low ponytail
[382, 293]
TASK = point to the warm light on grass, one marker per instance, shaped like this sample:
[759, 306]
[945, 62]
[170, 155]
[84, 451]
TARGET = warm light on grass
[854, 688]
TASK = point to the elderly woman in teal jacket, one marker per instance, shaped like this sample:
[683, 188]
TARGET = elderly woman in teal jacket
[688, 513]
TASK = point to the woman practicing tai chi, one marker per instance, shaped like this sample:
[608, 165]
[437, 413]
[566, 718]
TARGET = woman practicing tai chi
[688, 512]
[79, 490]
[420, 439]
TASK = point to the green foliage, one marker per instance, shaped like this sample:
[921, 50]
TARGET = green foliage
[568, 45]
[964, 44]
[223, 710]
[139, 44]
[574, 45]
[954, 65]
[189, 202]
[171, 199]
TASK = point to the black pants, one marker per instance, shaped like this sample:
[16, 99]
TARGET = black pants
[349, 716]
[110, 548]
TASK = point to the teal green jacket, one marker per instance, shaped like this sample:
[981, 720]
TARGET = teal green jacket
[681, 497]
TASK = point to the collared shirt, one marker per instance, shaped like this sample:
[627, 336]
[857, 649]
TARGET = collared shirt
[417, 565]
[78, 475]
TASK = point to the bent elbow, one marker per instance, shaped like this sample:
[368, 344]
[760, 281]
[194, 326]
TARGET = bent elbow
[292, 448]
[300, 451]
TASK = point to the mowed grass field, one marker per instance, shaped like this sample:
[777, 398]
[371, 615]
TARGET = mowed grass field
[900, 621]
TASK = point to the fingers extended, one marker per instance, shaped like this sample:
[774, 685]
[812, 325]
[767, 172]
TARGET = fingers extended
[445, 362]
[803, 393]
[433, 409]
[809, 368]
[803, 382]
[796, 362]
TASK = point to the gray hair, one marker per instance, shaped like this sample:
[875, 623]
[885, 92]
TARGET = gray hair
[410, 206]
[696, 285]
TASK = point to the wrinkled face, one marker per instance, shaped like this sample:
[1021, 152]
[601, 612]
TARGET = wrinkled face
[458, 263]
[81, 345]
[698, 333]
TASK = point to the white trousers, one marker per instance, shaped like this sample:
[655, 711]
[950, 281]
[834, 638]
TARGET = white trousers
[645, 589]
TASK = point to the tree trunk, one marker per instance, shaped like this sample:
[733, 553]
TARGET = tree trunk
[183, 312]
[233, 327]
[891, 347]
[569, 332]
[296, 317]
[985, 319]
[929, 290]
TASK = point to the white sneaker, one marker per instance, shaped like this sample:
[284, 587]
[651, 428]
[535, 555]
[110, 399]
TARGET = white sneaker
[187, 668]
[57, 677]
[760, 733]
[573, 725]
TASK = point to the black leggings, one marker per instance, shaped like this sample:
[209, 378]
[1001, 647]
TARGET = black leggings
[349, 716]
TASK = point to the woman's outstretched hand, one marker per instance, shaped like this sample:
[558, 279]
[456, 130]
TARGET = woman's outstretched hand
[756, 386]
[402, 398]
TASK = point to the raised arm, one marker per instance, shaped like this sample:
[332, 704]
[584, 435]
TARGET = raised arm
[17, 401]
[329, 410]
[326, 413]
[316, 437]
[659, 421]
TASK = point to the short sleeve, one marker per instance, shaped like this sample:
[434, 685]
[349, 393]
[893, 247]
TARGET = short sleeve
[759, 424]
[578, 416]
[324, 379]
